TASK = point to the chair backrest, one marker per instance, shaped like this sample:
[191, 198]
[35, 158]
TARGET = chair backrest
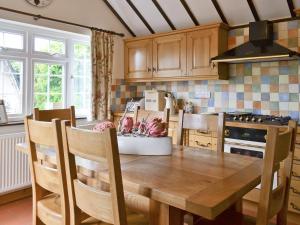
[47, 179]
[140, 114]
[106, 206]
[62, 114]
[201, 122]
[279, 149]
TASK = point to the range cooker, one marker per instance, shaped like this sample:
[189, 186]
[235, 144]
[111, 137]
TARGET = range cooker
[250, 141]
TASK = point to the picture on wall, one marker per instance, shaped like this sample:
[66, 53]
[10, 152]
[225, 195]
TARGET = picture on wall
[3, 114]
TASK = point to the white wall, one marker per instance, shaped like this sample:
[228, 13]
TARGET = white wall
[87, 12]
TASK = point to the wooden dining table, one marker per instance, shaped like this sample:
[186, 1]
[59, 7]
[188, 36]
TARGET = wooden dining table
[202, 182]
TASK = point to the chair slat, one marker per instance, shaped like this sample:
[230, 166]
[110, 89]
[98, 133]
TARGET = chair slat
[62, 114]
[95, 203]
[87, 144]
[47, 178]
[41, 133]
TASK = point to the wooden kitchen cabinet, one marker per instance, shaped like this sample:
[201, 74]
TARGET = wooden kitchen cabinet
[138, 59]
[177, 55]
[169, 56]
[202, 45]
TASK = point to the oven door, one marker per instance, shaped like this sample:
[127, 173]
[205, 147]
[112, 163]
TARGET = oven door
[241, 147]
[249, 148]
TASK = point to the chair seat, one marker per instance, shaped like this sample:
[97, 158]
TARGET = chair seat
[49, 211]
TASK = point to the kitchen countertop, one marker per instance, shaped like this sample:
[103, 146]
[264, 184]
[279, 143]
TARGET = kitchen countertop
[174, 118]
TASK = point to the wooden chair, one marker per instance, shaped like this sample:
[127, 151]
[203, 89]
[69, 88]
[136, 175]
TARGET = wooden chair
[50, 198]
[62, 114]
[273, 202]
[203, 123]
[140, 114]
[107, 206]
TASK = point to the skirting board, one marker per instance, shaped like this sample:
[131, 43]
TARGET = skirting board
[16, 195]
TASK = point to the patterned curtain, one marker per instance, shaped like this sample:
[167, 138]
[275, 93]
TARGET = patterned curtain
[102, 58]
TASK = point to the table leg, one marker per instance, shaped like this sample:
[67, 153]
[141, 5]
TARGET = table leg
[162, 214]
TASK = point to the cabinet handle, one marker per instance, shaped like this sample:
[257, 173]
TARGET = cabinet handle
[295, 207]
[296, 160]
[149, 69]
[154, 69]
[213, 65]
[202, 132]
[295, 175]
[202, 145]
[295, 191]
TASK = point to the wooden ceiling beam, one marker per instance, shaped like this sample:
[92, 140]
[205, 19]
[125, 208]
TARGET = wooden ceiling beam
[219, 10]
[137, 12]
[119, 17]
[162, 12]
[188, 10]
[253, 10]
[291, 8]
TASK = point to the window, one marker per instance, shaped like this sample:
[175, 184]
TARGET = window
[54, 71]
[11, 81]
[81, 77]
[9, 40]
[48, 85]
[49, 46]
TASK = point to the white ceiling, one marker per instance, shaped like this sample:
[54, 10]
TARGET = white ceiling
[237, 12]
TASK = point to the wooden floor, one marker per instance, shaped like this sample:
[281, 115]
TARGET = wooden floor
[19, 213]
[16, 213]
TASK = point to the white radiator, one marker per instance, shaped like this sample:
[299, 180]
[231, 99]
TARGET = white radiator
[14, 166]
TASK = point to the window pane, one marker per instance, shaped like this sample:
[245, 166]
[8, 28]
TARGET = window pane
[55, 85]
[57, 47]
[13, 41]
[49, 46]
[40, 101]
[48, 85]
[81, 79]
[56, 70]
[82, 50]
[11, 76]
[40, 84]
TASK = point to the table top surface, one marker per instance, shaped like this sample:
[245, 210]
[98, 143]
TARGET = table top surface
[199, 181]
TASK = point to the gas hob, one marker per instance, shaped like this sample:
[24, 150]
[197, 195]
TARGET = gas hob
[256, 118]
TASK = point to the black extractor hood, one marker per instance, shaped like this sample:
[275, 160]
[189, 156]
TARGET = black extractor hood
[260, 48]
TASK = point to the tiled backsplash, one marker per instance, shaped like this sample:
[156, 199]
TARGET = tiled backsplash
[264, 88]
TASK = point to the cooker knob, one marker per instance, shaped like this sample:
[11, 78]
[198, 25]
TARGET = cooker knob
[253, 119]
[247, 118]
[260, 120]
[226, 133]
[235, 118]
[241, 118]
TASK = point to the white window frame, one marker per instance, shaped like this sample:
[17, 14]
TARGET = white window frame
[14, 117]
[30, 57]
[6, 50]
[64, 78]
[46, 54]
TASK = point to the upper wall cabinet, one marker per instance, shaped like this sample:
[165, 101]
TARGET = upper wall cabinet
[138, 60]
[177, 55]
[169, 56]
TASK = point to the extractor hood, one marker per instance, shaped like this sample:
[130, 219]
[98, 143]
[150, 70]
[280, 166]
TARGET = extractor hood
[260, 48]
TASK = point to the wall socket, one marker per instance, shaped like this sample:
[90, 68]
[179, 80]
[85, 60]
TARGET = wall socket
[202, 94]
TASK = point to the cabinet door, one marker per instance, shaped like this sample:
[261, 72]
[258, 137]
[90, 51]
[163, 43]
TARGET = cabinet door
[202, 45]
[138, 59]
[169, 56]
